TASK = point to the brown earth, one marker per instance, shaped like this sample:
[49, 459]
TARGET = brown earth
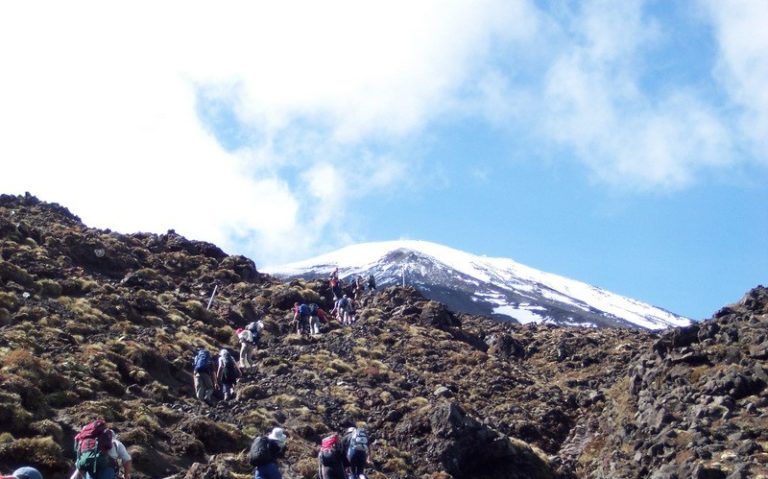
[95, 323]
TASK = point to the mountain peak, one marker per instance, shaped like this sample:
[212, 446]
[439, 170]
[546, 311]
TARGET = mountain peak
[496, 287]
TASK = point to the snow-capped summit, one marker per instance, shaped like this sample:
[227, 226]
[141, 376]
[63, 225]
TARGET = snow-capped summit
[497, 287]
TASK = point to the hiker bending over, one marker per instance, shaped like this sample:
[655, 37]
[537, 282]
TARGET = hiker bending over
[255, 327]
[356, 451]
[228, 373]
[264, 453]
[330, 459]
[301, 318]
[25, 472]
[205, 381]
[99, 454]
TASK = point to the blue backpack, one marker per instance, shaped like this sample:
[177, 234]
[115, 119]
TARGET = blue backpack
[202, 362]
[358, 443]
[303, 310]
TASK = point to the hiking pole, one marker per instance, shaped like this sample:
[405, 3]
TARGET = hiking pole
[210, 301]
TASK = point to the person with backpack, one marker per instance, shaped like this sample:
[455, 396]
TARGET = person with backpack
[330, 458]
[356, 451]
[345, 310]
[245, 337]
[255, 327]
[99, 454]
[205, 381]
[301, 318]
[25, 472]
[314, 319]
[264, 453]
[228, 373]
[371, 282]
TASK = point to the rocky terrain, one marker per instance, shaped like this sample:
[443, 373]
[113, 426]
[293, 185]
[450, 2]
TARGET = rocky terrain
[95, 323]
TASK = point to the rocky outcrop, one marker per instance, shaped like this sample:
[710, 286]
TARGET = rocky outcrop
[695, 404]
[95, 323]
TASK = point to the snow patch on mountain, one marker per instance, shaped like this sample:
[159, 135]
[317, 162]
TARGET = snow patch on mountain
[507, 288]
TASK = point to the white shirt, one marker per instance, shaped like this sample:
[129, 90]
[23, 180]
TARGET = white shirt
[119, 451]
[245, 336]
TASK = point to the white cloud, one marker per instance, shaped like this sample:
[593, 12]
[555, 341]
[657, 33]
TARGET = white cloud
[99, 106]
[595, 103]
[743, 64]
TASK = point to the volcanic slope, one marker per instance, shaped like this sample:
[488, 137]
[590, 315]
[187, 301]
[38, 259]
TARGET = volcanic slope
[95, 323]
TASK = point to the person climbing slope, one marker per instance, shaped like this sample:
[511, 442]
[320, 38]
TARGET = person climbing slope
[356, 451]
[330, 458]
[228, 373]
[205, 381]
[245, 337]
[264, 453]
[99, 454]
[301, 318]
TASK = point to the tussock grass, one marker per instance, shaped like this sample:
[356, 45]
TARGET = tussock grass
[41, 451]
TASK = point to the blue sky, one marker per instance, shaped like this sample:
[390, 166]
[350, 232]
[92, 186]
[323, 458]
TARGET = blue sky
[624, 144]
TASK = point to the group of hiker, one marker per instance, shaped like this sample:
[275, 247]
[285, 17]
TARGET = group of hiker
[210, 379]
[100, 455]
[344, 305]
[339, 457]
[217, 378]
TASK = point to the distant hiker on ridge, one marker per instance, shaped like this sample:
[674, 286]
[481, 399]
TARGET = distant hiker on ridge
[316, 315]
[301, 318]
[205, 381]
[371, 282]
[359, 286]
[345, 310]
[335, 285]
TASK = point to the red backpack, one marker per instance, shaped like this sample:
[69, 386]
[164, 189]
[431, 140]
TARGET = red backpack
[92, 444]
[330, 450]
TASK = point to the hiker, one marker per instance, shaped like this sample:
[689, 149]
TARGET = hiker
[228, 373]
[322, 317]
[359, 286]
[301, 317]
[245, 336]
[205, 381]
[25, 472]
[356, 451]
[99, 454]
[330, 458]
[255, 327]
[336, 285]
[314, 318]
[371, 282]
[264, 453]
[345, 310]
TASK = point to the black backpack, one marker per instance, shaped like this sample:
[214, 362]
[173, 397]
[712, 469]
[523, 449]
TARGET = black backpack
[230, 373]
[260, 455]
